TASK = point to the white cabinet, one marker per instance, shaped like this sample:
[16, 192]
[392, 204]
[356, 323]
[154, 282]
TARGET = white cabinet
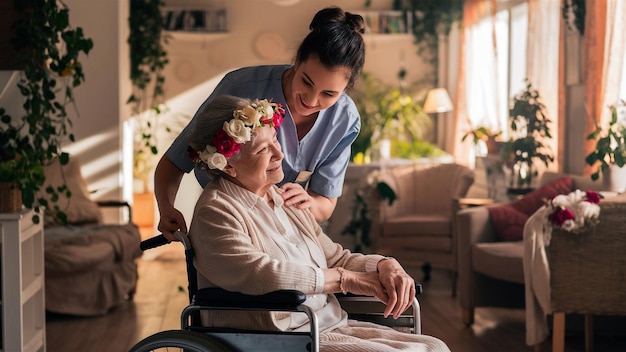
[22, 266]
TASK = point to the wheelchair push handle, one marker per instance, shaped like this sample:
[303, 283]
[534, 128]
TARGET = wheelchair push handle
[153, 242]
[160, 240]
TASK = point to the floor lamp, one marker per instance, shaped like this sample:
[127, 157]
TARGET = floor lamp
[438, 101]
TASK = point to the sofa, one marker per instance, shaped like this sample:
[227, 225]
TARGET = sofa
[490, 248]
[90, 266]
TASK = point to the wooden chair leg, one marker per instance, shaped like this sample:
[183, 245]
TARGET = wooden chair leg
[468, 316]
[588, 333]
[558, 332]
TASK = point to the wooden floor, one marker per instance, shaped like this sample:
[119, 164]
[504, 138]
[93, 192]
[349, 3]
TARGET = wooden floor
[161, 295]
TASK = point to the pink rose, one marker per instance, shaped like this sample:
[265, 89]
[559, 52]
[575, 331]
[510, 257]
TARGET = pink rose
[592, 197]
[225, 144]
[559, 216]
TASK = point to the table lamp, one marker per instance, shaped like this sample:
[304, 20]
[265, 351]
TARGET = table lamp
[438, 101]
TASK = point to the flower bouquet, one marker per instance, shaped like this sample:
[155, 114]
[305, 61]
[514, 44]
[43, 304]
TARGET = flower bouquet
[574, 212]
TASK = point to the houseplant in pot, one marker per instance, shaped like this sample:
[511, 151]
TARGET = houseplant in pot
[148, 58]
[388, 113]
[610, 149]
[530, 128]
[48, 55]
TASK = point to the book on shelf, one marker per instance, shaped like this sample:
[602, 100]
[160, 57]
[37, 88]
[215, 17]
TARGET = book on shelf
[195, 20]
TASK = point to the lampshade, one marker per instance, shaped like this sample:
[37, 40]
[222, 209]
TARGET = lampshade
[438, 100]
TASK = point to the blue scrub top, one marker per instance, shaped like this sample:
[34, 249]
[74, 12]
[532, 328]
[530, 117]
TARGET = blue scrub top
[320, 158]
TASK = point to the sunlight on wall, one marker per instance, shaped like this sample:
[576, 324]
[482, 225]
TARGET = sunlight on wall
[99, 163]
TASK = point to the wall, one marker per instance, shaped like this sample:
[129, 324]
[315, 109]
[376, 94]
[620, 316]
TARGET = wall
[99, 100]
[194, 61]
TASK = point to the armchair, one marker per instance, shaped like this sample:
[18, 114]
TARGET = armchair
[90, 267]
[490, 258]
[418, 227]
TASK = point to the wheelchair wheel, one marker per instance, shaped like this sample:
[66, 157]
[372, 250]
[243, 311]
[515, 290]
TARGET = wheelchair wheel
[180, 340]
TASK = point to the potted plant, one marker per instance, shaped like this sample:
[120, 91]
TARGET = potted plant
[387, 113]
[530, 127]
[610, 149]
[148, 58]
[48, 54]
[483, 137]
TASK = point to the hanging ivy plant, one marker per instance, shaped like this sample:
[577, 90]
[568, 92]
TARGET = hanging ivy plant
[49, 51]
[148, 58]
[574, 14]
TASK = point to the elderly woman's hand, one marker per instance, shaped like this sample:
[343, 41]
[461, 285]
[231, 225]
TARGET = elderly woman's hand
[399, 286]
[296, 195]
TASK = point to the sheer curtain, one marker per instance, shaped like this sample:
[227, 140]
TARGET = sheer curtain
[478, 84]
[542, 61]
[604, 58]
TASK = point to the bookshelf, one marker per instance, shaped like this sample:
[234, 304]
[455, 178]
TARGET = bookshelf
[394, 23]
[23, 300]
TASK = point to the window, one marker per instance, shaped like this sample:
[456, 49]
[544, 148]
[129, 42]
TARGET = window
[490, 92]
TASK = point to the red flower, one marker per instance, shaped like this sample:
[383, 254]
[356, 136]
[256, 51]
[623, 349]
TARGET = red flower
[193, 154]
[592, 197]
[559, 216]
[279, 114]
[225, 144]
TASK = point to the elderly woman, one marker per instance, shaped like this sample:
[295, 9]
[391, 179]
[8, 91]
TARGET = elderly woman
[247, 240]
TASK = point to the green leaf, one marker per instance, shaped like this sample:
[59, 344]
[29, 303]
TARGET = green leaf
[386, 192]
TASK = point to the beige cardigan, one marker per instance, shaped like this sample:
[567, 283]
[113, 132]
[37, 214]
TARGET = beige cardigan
[229, 234]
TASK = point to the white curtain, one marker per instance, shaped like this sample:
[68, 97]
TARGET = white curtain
[615, 50]
[477, 91]
[605, 32]
[542, 61]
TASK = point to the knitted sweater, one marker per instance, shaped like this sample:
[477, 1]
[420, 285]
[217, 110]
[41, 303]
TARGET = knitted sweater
[230, 234]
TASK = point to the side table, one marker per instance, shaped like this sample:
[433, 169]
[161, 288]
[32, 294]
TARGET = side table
[461, 203]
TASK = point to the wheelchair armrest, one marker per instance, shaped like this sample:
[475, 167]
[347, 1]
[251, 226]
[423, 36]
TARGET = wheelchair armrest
[277, 300]
[418, 290]
[116, 204]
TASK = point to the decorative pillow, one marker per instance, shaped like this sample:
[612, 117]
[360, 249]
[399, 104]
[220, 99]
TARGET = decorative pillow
[508, 219]
[79, 208]
[535, 199]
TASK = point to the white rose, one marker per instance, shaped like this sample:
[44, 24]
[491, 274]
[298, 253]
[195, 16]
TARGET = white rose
[206, 154]
[569, 225]
[560, 201]
[266, 108]
[216, 161]
[249, 116]
[589, 210]
[237, 130]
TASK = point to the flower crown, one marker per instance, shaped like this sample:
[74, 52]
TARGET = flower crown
[238, 131]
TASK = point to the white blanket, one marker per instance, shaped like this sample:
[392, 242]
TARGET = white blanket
[537, 276]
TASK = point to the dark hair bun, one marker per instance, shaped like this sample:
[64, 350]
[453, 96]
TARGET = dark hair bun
[356, 22]
[332, 15]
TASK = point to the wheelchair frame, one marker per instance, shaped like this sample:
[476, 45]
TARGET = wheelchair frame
[194, 337]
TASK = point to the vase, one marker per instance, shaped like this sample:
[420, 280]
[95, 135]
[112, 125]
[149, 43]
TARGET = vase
[614, 178]
[10, 197]
[143, 213]
[522, 175]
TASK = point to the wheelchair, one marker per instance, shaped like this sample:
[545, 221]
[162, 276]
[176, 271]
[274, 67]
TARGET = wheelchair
[194, 337]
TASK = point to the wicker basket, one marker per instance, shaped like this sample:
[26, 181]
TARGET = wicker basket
[10, 198]
[588, 270]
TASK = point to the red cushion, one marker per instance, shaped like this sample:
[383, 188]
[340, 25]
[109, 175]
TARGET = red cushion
[508, 219]
[535, 199]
